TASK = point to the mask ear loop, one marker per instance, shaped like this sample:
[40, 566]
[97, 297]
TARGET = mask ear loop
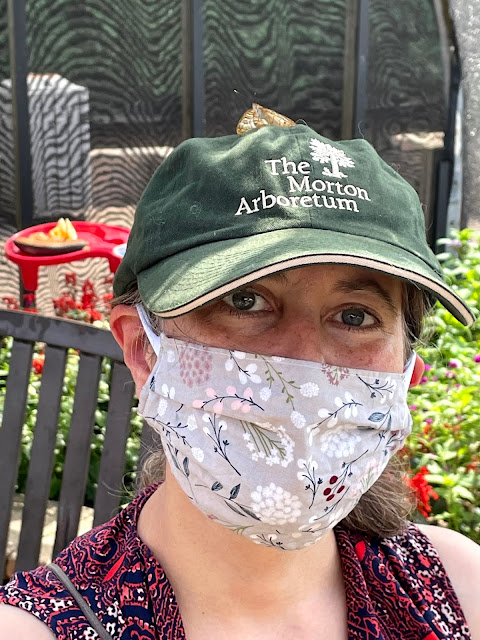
[153, 338]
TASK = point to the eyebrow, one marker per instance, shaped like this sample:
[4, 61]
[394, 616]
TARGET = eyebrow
[279, 276]
[367, 284]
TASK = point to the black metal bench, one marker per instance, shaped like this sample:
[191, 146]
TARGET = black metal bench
[93, 344]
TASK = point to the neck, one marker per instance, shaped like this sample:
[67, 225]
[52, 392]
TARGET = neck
[206, 562]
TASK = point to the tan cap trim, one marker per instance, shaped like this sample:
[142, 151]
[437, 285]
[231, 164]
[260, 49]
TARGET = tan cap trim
[400, 272]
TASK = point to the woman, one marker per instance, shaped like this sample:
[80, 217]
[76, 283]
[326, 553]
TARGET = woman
[267, 304]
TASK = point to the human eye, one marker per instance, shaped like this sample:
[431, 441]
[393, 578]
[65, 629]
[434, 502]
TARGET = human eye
[355, 317]
[244, 301]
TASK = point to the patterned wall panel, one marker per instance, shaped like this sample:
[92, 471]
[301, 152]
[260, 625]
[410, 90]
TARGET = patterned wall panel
[125, 59]
[406, 79]
[105, 110]
[285, 55]
[406, 91]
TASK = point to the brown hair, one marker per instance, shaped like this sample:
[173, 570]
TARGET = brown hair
[383, 510]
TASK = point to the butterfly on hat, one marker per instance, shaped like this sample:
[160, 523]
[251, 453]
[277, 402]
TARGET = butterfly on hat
[259, 116]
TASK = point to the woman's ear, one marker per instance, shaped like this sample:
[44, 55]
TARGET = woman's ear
[418, 371]
[128, 332]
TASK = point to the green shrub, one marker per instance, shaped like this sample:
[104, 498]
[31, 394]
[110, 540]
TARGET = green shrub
[445, 444]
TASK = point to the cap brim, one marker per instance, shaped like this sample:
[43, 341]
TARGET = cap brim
[190, 279]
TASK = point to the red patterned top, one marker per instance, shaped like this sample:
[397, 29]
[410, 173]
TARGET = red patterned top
[397, 588]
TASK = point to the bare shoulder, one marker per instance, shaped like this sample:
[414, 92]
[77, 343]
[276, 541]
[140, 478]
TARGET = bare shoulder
[21, 625]
[461, 559]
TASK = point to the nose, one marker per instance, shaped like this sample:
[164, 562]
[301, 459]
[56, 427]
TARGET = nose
[300, 338]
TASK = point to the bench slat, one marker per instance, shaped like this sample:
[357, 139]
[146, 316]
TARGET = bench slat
[112, 465]
[11, 432]
[77, 456]
[59, 332]
[41, 460]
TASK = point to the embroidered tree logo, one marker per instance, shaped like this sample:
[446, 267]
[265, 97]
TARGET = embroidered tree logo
[326, 154]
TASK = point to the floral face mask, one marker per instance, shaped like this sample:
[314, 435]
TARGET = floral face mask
[275, 449]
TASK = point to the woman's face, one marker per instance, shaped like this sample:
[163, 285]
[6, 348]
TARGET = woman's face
[340, 315]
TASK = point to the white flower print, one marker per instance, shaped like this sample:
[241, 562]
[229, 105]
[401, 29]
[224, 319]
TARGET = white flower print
[168, 392]
[338, 445]
[298, 419]
[338, 401]
[305, 464]
[323, 414]
[265, 393]
[206, 418]
[162, 407]
[349, 405]
[249, 374]
[309, 390]
[191, 422]
[274, 505]
[198, 454]
[277, 359]
[329, 419]
[231, 362]
[245, 374]
[273, 445]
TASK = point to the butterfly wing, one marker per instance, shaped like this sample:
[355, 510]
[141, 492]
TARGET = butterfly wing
[259, 116]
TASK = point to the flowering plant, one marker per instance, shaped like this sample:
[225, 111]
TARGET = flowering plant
[65, 415]
[444, 449]
[81, 303]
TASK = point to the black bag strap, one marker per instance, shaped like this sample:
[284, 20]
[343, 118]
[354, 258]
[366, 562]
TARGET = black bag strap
[82, 603]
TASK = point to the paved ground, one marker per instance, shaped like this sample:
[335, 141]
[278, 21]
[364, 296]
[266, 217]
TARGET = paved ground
[49, 529]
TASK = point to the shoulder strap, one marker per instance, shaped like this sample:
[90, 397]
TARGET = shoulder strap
[82, 603]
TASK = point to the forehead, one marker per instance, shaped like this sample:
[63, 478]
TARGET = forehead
[340, 278]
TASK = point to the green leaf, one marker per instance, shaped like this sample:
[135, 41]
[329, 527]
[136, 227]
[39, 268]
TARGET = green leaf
[462, 492]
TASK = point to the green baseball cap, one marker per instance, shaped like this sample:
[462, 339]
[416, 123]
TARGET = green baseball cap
[222, 212]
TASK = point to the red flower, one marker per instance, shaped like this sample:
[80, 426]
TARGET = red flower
[66, 304]
[95, 315]
[474, 464]
[423, 491]
[71, 279]
[63, 304]
[37, 363]
[12, 303]
[28, 301]
[89, 297]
